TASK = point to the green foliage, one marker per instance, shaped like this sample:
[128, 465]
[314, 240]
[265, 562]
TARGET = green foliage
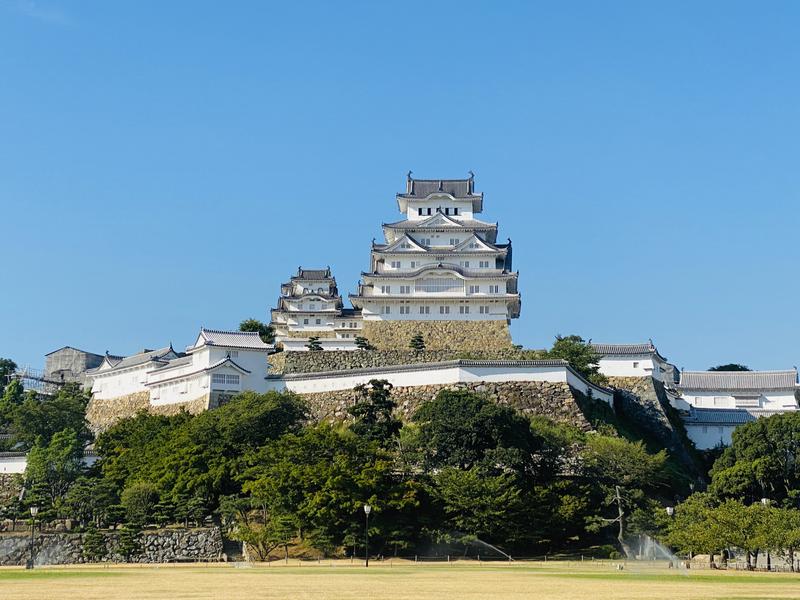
[372, 413]
[464, 430]
[313, 344]
[265, 332]
[44, 416]
[580, 355]
[139, 500]
[192, 461]
[89, 500]
[362, 343]
[417, 343]
[7, 368]
[129, 541]
[762, 461]
[730, 367]
[94, 545]
[53, 466]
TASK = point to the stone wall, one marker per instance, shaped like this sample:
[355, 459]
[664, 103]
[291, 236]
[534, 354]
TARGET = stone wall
[102, 414]
[10, 486]
[157, 546]
[554, 400]
[342, 360]
[643, 402]
[439, 335]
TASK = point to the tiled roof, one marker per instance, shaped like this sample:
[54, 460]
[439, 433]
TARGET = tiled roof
[462, 223]
[233, 339]
[140, 358]
[211, 367]
[623, 349]
[718, 416]
[176, 362]
[422, 188]
[313, 274]
[738, 380]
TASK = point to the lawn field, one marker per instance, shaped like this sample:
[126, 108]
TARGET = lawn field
[400, 581]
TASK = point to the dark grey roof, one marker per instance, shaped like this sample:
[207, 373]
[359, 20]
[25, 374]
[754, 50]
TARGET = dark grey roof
[211, 367]
[313, 274]
[143, 358]
[176, 362]
[233, 339]
[624, 349]
[738, 380]
[470, 274]
[462, 223]
[351, 312]
[718, 416]
[422, 188]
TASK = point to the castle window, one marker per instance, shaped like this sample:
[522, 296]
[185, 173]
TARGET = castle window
[453, 241]
[464, 310]
[484, 264]
[413, 264]
[635, 365]
[233, 353]
[386, 289]
[474, 289]
[424, 310]
[474, 245]
[438, 285]
[305, 321]
[455, 210]
[494, 289]
[318, 321]
[404, 310]
[447, 211]
[395, 264]
[405, 289]
[426, 241]
[429, 211]
[386, 309]
[419, 211]
[484, 310]
[465, 264]
[444, 310]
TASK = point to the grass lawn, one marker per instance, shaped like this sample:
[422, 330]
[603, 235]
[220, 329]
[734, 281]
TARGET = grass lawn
[400, 581]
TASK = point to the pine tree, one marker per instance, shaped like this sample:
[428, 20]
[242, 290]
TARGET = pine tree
[129, 543]
[94, 545]
[362, 343]
[313, 344]
[417, 343]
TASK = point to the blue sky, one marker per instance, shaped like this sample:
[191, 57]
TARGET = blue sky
[167, 165]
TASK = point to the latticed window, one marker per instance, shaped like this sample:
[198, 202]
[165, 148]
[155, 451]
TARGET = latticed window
[438, 285]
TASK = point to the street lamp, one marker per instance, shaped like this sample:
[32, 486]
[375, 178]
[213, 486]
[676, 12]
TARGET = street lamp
[670, 511]
[766, 502]
[367, 509]
[34, 512]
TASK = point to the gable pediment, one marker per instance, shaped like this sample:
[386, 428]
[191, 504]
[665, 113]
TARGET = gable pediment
[405, 244]
[440, 220]
[475, 244]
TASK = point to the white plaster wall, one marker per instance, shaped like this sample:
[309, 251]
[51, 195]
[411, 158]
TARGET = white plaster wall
[497, 309]
[464, 208]
[449, 375]
[121, 383]
[709, 436]
[770, 400]
[13, 464]
[624, 367]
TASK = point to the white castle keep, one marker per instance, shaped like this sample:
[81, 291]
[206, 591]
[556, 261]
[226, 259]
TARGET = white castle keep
[440, 263]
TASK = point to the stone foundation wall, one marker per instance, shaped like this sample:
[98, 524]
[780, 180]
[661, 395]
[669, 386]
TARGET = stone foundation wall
[554, 400]
[342, 360]
[102, 414]
[157, 546]
[439, 335]
[10, 486]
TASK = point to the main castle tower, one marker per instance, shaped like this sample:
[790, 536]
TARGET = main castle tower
[440, 272]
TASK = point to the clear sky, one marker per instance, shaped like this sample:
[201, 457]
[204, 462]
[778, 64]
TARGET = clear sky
[166, 165]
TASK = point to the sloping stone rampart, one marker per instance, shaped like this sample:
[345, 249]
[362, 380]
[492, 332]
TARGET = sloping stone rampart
[157, 546]
[554, 400]
[439, 335]
[102, 414]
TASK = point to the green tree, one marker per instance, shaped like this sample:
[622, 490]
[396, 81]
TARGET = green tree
[54, 466]
[689, 529]
[730, 367]
[580, 355]
[94, 545]
[464, 430]
[139, 500]
[373, 413]
[762, 461]
[45, 416]
[129, 543]
[265, 332]
[7, 368]
[417, 343]
[11, 399]
[362, 343]
[89, 499]
[313, 344]
[480, 506]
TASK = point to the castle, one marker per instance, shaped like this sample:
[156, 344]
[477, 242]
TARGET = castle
[439, 273]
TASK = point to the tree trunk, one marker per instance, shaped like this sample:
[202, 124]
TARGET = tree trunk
[621, 519]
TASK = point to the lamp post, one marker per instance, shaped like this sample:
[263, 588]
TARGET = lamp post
[765, 502]
[670, 511]
[34, 512]
[367, 509]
